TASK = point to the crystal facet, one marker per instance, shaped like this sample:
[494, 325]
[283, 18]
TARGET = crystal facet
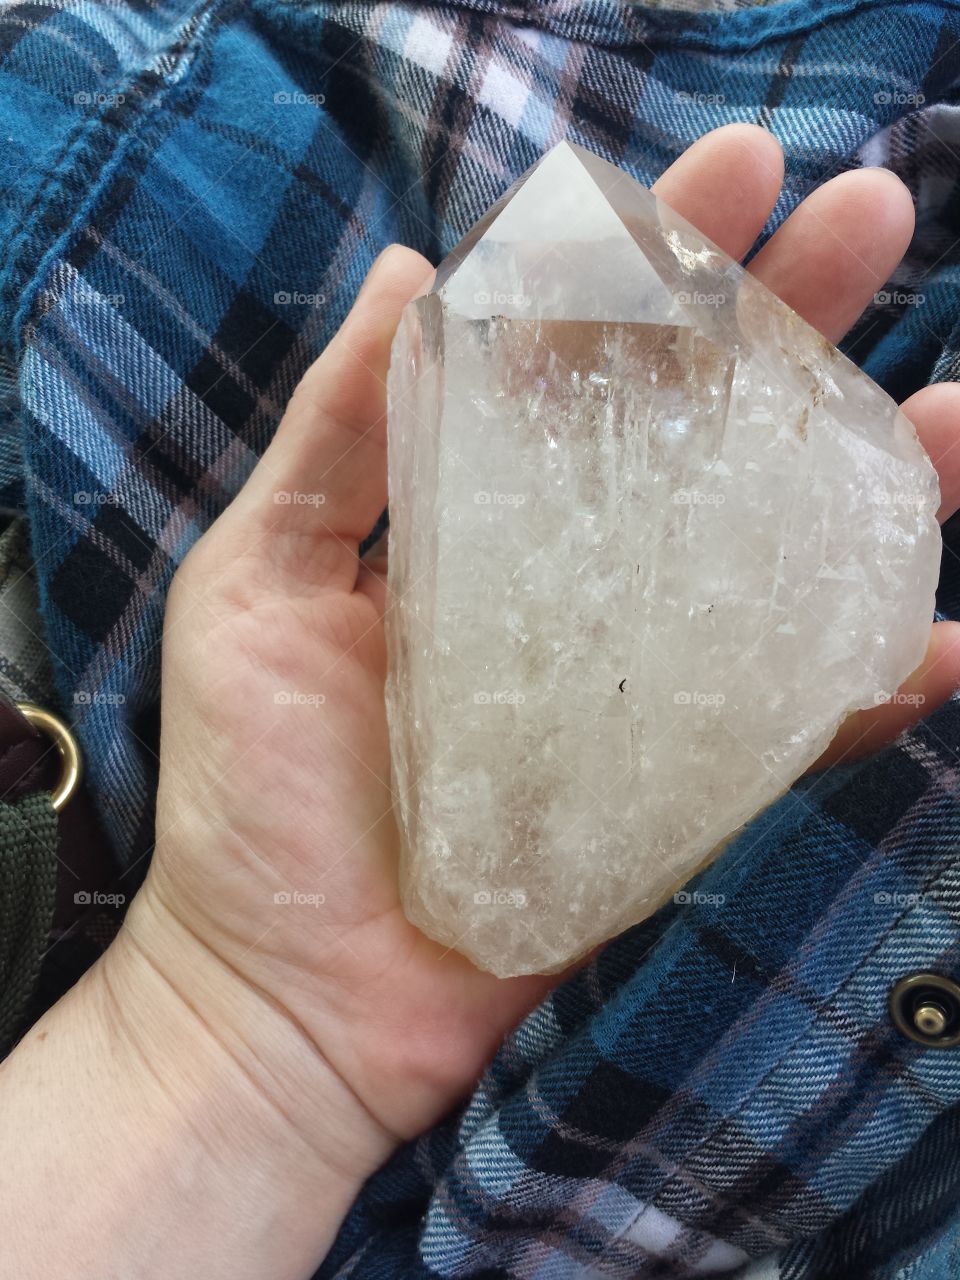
[652, 538]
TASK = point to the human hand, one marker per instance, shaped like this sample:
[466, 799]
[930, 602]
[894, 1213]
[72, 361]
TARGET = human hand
[260, 797]
[238, 1063]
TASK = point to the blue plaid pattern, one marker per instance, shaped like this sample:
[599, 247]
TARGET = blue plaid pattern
[192, 194]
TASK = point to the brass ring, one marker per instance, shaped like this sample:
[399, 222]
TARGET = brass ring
[67, 749]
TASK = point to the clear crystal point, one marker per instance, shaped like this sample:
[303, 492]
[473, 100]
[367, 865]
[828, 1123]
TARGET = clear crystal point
[652, 538]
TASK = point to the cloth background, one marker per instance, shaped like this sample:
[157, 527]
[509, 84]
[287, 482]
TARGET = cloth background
[192, 194]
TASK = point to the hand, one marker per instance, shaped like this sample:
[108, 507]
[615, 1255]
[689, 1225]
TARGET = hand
[221, 1082]
[260, 797]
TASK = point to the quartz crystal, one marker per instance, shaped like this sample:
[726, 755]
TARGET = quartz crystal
[652, 538]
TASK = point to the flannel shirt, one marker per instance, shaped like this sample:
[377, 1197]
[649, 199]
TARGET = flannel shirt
[192, 192]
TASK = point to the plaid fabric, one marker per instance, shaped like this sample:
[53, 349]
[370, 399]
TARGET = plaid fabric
[192, 193]
[25, 674]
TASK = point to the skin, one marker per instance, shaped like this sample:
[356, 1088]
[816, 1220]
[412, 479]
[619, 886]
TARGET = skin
[250, 1062]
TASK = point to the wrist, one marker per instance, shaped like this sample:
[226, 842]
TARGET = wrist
[231, 1055]
[167, 1120]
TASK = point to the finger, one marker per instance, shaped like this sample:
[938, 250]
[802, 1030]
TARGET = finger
[726, 184]
[838, 247]
[934, 681]
[322, 482]
[935, 412]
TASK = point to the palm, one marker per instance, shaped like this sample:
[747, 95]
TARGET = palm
[275, 776]
[292, 797]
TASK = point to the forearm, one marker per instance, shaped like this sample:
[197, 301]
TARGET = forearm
[165, 1120]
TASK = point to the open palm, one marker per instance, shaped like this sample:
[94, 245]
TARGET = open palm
[276, 840]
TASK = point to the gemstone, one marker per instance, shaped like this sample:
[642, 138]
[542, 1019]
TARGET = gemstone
[652, 538]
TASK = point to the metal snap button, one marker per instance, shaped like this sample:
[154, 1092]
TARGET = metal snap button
[926, 1008]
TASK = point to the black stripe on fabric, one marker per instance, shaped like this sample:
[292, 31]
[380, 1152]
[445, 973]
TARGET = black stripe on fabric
[600, 107]
[440, 158]
[734, 957]
[779, 82]
[115, 525]
[158, 455]
[943, 68]
[611, 1105]
[313, 182]
[875, 799]
[90, 589]
[109, 209]
[19, 23]
[59, 208]
[256, 342]
[343, 67]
